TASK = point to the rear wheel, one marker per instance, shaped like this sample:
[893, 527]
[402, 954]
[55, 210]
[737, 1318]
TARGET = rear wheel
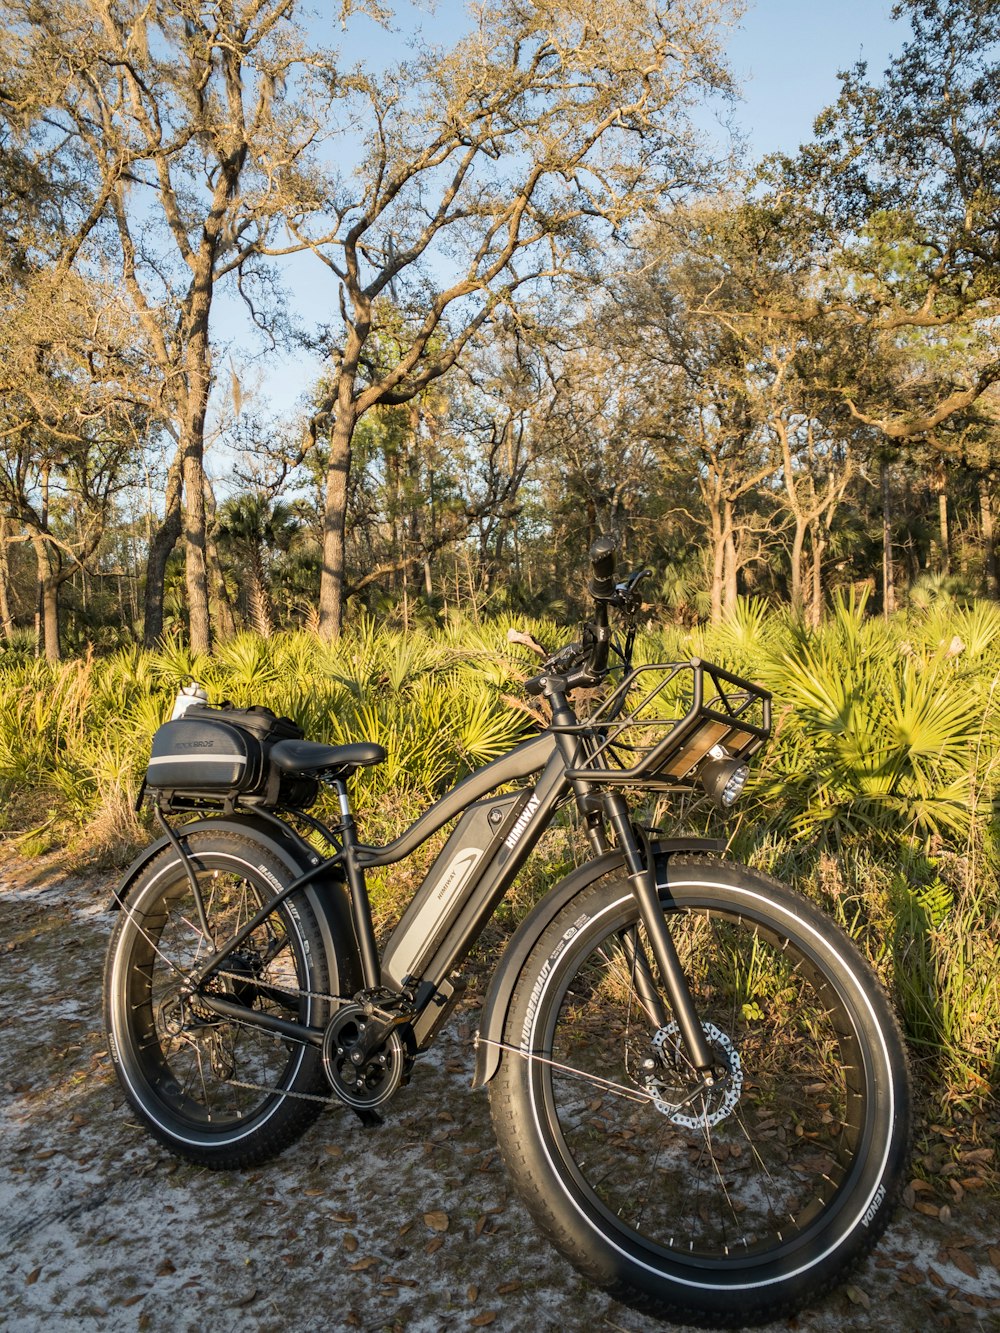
[216, 1089]
[723, 1206]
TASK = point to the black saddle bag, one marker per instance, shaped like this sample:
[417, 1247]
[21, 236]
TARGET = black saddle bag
[221, 756]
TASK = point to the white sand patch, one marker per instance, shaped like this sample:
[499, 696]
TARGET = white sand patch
[101, 1229]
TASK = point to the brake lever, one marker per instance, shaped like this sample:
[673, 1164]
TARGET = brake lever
[625, 594]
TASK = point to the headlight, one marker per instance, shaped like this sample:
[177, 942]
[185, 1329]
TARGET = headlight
[723, 777]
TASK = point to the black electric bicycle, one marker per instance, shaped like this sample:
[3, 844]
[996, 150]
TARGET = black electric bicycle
[696, 1082]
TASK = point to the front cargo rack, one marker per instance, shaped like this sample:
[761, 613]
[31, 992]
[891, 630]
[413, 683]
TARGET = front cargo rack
[663, 719]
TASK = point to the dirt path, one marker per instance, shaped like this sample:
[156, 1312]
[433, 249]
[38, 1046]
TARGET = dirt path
[408, 1227]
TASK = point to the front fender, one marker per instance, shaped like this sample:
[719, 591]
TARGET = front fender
[493, 1018]
[327, 897]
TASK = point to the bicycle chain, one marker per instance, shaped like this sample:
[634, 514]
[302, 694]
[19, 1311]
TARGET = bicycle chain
[283, 990]
[333, 1099]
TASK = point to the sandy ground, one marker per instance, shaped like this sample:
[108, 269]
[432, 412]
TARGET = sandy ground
[409, 1227]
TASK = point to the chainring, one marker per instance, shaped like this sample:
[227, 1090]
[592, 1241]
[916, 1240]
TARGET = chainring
[362, 1079]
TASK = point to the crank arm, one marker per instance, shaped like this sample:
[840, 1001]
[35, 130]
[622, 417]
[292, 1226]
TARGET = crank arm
[379, 1024]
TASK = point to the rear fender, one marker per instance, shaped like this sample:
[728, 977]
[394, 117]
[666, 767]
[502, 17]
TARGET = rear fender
[493, 1018]
[328, 897]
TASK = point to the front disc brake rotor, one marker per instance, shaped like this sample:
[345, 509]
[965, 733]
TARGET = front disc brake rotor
[672, 1083]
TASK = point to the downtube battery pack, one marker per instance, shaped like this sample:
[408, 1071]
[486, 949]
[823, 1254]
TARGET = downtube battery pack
[212, 757]
[451, 886]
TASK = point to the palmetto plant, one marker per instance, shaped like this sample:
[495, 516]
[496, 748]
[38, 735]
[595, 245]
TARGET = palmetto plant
[875, 738]
[250, 528]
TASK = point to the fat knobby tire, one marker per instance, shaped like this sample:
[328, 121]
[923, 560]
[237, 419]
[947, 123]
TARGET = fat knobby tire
[184, 1077]
[722, 1213]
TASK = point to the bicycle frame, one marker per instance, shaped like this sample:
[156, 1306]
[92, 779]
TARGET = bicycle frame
[464, 886]
[471, 899]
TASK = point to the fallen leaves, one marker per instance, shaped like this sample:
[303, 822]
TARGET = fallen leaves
[437, 1220]
[962, 1261]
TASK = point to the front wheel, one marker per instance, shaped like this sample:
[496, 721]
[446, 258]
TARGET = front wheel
[722, 1206]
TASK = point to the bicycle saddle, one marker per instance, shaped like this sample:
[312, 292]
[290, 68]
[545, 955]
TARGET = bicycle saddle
[312, 757]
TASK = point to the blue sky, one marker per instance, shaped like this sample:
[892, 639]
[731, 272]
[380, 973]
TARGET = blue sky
[784, 53]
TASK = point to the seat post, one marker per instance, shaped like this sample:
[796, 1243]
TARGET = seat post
[361, 910]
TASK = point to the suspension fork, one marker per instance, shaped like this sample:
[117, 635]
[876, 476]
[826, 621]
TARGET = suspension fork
[642, 877]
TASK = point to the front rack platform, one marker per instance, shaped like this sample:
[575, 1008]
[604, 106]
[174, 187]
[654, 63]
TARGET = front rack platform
[639, 734]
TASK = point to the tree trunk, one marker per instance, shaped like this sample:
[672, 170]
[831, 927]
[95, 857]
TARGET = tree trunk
[731, 564]
[816, 599]
[48, 596]
[6, 618]
[219, 600]
[942, 490]
[199, 383]
[195, 541]
[163, 542]
[888, 586]
[331, 587]
[718, 565]
[797, 579]
[989, 540]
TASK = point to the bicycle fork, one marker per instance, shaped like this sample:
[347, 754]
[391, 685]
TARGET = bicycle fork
[642, 877]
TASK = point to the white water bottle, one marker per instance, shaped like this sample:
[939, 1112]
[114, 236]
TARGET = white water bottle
[187, 697]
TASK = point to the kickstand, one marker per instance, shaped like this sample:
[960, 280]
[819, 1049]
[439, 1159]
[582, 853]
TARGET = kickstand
[370, 1119]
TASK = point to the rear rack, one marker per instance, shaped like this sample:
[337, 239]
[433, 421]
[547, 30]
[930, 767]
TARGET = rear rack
[639, 736]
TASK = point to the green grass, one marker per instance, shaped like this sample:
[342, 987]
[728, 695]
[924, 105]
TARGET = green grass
[876, 794]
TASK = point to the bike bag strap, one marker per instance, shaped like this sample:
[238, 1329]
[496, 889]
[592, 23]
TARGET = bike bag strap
[310, 757]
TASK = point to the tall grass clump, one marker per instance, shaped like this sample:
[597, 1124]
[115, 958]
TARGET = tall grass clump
[75, 737]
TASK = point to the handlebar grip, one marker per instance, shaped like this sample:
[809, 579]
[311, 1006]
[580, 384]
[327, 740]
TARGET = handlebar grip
[602, 557]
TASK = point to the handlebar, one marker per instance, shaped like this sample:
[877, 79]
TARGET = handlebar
[602, 558]
[584, 664]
